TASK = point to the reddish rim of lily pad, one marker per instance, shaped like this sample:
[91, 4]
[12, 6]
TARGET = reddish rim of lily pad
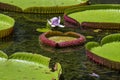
[70, 22]
[44, 38]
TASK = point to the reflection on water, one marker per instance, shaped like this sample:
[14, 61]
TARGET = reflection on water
[60, 50]
[74, 62]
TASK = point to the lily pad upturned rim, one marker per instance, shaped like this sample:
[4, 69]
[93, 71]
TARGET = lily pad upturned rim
[80, 39]
[87, 25]
[32, 59]
[9, 20]
[39, 9]
[113, 38]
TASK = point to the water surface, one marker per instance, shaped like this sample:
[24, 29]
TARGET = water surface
[74, 62]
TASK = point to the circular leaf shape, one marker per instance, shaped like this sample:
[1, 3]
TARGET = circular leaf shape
[94, 16]
[106, 53]
[59, 39]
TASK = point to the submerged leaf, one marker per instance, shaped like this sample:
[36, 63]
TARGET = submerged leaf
[97, 30]
[43, 29]
[89, 37]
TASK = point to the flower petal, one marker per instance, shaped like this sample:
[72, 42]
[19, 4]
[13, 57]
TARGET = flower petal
[59, 18]
[53, 19]
[61, 26]
[49, 22]
[53, 26]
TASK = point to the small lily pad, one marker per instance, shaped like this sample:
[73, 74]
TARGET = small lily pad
[59, 39]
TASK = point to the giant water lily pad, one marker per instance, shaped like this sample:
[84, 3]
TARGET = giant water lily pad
[6, 25]
[59, 39]
[27, 66]
[95, 16]
[40, 6]
[107, 52]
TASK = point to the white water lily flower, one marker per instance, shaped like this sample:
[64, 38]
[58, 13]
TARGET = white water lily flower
[55, 21]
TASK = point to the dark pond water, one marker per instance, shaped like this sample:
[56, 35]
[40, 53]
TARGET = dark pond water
[74, 62]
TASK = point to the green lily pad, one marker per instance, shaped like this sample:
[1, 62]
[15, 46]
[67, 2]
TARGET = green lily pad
[107, 53]
[100, 15]
[36, 6]
[27, 66]
[95, 16]
[6, 25]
